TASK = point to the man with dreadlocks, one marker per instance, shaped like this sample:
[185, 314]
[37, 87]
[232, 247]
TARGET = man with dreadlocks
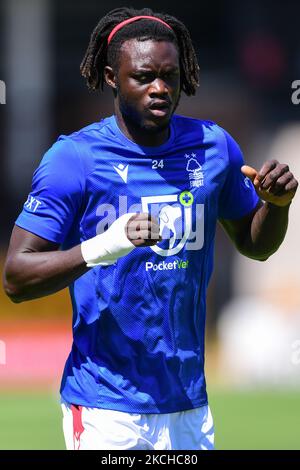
[133, 201]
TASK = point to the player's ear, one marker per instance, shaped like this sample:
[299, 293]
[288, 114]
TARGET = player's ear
[110, 77]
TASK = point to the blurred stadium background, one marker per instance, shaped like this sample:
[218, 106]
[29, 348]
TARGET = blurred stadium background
[249, 54]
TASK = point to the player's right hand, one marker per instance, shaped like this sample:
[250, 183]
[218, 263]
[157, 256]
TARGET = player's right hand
[143, 230]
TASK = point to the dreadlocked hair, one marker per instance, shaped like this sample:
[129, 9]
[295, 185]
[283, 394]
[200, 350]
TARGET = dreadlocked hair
[99, 53]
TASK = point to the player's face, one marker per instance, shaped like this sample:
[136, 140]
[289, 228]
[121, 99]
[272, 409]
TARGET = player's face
[148, 83]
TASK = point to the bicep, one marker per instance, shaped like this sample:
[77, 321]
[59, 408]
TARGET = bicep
[23, 241]
[21, 244]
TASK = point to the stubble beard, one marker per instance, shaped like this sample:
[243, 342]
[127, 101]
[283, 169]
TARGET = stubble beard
[131, 117]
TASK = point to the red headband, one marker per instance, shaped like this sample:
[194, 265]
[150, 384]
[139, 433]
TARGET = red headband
[130, 20]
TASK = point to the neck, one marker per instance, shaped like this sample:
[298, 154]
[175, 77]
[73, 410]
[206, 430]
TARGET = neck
[141, 136]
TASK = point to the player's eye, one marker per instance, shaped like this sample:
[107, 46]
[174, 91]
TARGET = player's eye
[145, 78]
[171, 75]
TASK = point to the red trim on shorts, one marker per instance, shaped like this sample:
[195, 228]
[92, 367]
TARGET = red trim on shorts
[77, 425]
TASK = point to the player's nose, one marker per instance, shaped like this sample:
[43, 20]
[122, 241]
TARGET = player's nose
[158, 87]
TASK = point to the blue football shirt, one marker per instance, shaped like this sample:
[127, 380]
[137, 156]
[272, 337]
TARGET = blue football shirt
[138, 325]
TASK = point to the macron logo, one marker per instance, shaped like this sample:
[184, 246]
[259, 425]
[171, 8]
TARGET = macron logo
[122, 170]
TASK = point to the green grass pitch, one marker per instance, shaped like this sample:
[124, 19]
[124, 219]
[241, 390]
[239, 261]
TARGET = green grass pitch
[243, 420]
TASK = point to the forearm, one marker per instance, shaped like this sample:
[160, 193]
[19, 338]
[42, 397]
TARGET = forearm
[35, 274]
[35, 268]
[267, 231]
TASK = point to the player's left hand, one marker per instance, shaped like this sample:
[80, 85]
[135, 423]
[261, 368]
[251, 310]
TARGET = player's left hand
[273, 183]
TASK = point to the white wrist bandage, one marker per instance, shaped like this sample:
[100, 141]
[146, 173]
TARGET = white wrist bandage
[106, 248]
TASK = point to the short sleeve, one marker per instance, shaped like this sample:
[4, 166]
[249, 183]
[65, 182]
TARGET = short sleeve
[237, 197]
[56, 194]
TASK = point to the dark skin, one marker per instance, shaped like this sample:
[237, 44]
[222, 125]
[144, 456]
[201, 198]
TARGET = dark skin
[147, 89]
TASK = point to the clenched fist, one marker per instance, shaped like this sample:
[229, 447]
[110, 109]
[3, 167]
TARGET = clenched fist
[142, 230]
[273, 183]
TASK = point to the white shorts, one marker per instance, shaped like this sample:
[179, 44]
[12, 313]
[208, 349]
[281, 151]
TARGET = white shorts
[99, 429]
